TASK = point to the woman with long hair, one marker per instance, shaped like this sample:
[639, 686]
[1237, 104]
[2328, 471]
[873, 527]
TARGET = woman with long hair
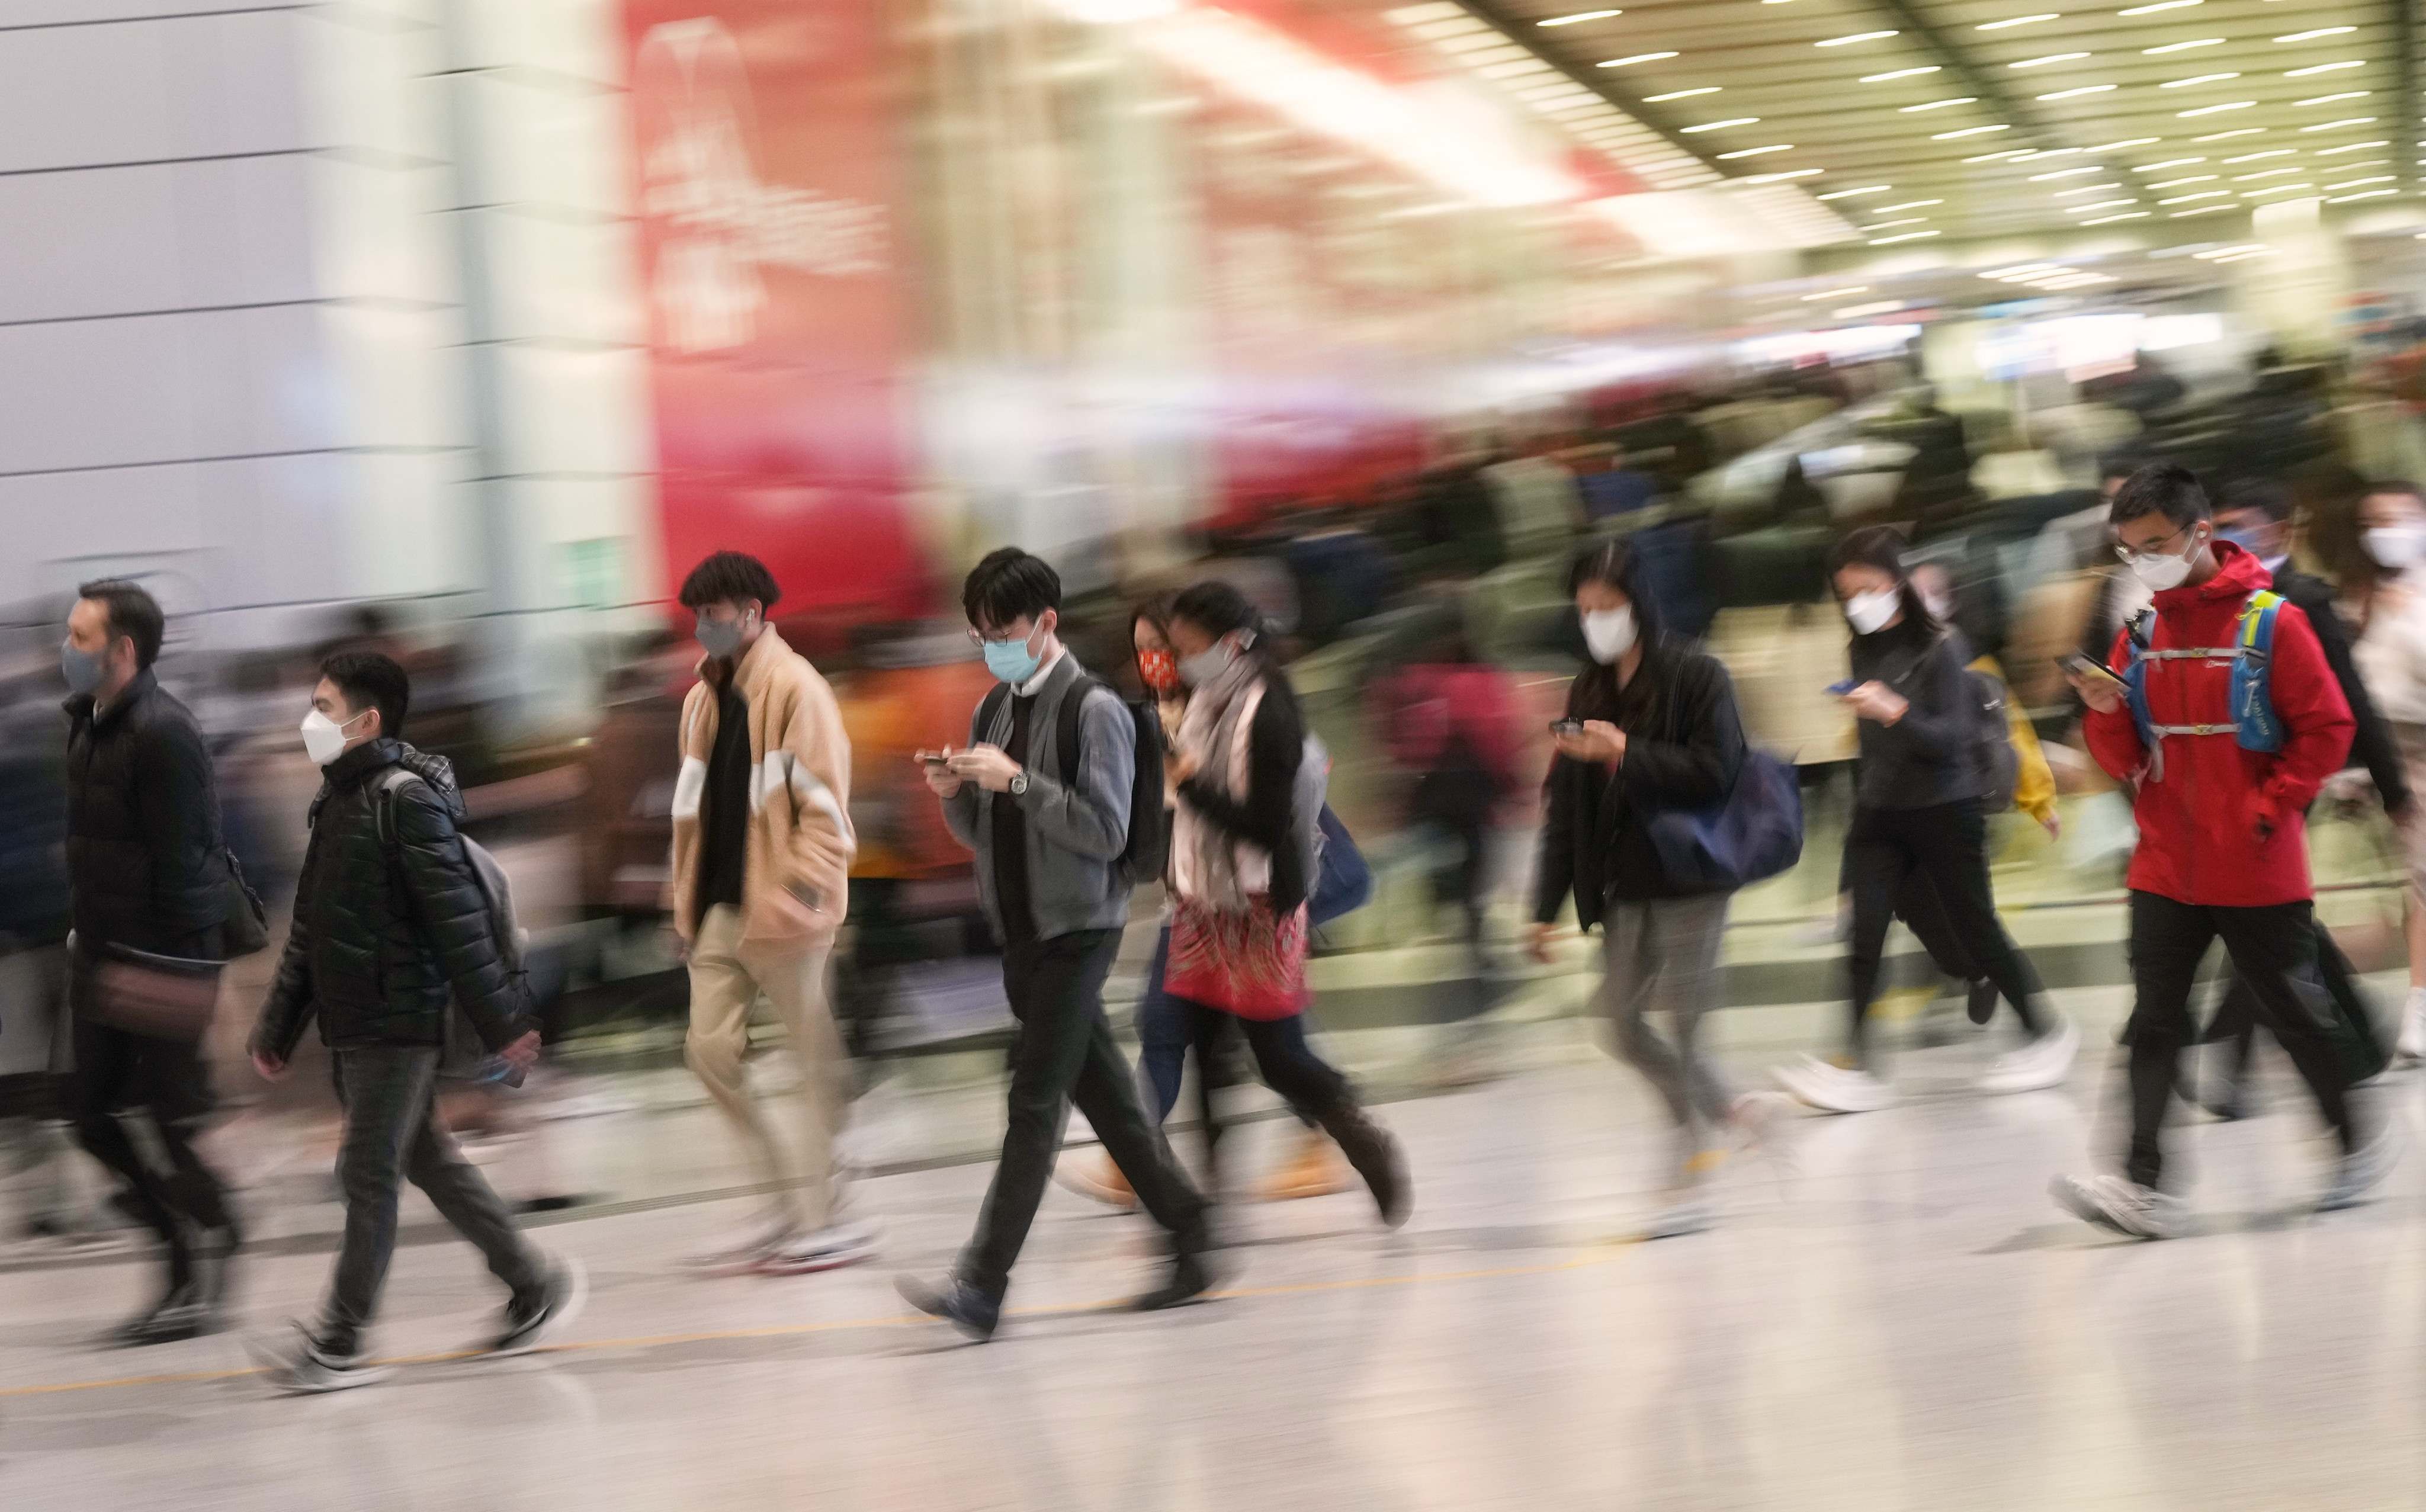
[1163, 1026]
[2386, 607]
[1239, 857]
[1917, 808]
[1651, 726]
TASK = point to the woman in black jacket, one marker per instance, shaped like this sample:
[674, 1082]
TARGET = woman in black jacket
[1917, 808]
[1651, 726]
[1238, 874]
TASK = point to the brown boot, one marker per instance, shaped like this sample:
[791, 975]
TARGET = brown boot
[1376, 1155]
[1315, 1171]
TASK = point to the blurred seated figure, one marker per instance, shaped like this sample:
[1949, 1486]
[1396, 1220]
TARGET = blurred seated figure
[1343, 576]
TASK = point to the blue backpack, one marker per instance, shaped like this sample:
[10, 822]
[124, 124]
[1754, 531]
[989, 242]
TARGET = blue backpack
[2254, 724]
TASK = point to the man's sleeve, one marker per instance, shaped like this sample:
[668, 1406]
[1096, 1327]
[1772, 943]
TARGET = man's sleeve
[453, 913]
[177, 806]
[2316, 717]
[2113, 738]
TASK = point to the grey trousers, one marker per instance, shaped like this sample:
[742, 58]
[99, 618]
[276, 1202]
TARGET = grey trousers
[391, 1134]
[1663, 957]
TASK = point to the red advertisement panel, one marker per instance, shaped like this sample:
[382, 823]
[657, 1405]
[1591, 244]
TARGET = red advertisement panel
[773, 262]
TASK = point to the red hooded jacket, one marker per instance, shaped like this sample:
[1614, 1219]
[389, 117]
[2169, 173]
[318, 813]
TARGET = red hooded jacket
[2222, 825]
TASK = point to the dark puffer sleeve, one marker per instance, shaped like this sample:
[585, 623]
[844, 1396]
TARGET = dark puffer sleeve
[446, 902]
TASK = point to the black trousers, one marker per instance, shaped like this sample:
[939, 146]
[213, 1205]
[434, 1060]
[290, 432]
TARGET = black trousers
[2236, 1013]
[1065, 1054]
[118, 1070]
[2274, 950]
[393, 1135]
[1888, 852]
[1283, 1056]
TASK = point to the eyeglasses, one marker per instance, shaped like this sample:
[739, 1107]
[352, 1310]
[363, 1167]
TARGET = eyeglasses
[2127, 555]
[979, 637]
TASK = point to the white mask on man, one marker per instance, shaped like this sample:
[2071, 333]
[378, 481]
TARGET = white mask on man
[324, 739]
[2396, 548]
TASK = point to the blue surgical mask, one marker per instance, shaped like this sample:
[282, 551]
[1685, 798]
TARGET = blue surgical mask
[82, 669]
[2245, 539]
[1012, 661]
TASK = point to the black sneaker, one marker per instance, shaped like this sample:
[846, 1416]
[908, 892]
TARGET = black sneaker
[533, 1326]
[1190, 1279]
[183, 1312]
[297, 1365]
[955, 1301]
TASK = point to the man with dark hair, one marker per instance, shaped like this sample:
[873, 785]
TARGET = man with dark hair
[2256, 517]
[758, 889]
[1049, 844]
[392, 933]
[148, 893]
[2223, 772]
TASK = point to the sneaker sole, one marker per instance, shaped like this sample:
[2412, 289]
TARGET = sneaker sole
[558, 1319]
[811, 1265]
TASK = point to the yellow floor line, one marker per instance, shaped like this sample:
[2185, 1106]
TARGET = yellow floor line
[1601, 1254]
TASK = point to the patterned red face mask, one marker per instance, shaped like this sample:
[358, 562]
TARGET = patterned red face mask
[1159, 670]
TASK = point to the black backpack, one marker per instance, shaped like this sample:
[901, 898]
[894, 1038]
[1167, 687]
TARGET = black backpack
[1991, 743]
[1149, 834]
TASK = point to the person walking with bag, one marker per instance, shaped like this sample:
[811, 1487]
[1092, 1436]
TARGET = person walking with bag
[1239, 875]
[1651, 726]
[393, 933]
[1917, 809]
[1057, 848]
[148, 895]
[760, 882]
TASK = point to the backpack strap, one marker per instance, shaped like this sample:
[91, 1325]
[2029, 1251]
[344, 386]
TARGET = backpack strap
[383, 794]
[990, 710]
[1074, 707]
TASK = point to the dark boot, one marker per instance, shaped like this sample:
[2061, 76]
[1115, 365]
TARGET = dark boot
[1375, 1155]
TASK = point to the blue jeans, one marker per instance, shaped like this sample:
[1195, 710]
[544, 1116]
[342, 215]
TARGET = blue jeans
[1167, 1026]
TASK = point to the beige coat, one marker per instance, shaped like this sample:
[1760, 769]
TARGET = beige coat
[796, 869]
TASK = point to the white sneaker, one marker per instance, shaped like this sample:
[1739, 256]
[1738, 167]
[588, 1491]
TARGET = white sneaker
[2123, 1205]
[829, 1248]
[1834, 1090]
[2412, 1046]
[743, 1255]
[2363, 1170]
[2043, 1063]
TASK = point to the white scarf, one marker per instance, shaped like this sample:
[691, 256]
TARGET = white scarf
[1207, 863]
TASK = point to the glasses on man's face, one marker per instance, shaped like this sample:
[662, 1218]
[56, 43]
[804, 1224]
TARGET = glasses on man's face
[979, 637]
[2154, 549]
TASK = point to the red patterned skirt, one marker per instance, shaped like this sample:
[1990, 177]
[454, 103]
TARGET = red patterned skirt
[1252, 964]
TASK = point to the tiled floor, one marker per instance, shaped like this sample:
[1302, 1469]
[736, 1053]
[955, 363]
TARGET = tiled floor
[1895, 1319]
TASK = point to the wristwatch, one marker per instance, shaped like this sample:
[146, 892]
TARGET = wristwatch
[1019, 785]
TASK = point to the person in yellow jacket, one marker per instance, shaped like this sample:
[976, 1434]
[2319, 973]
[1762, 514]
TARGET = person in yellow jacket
[759, 882]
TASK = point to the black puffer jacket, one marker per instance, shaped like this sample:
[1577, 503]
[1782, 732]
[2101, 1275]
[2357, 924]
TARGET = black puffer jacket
[143, 827]
[382, 932]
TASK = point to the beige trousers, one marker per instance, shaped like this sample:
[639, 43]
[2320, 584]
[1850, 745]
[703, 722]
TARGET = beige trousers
[726, 979]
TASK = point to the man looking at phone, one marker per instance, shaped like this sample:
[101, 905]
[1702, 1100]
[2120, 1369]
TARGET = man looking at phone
[1049, 847]
[2222, 849]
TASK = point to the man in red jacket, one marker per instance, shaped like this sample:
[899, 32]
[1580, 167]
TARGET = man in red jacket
[2222, 839]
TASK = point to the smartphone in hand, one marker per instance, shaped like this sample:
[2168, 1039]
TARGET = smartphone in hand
[1837, 690]
[2080, 666]
[1566, 727]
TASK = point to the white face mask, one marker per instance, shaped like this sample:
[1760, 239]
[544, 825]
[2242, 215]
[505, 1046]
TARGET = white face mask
[1610, 632]
[2396, 548]
[2168, 571]
[324, 739]
[1868, 612]
[1940, 607]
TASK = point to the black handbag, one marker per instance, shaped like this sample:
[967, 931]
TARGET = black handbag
[246, 927]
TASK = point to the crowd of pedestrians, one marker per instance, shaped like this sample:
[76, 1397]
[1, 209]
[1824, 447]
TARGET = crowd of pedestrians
[2234, 691]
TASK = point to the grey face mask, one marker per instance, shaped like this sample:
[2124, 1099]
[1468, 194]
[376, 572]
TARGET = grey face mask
[723, 637]
[82, 669]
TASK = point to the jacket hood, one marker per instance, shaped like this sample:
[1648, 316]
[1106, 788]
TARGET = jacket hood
[362, 763]
[2238, 575]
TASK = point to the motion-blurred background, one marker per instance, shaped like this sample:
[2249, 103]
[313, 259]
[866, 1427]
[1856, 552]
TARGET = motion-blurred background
[464, 329]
